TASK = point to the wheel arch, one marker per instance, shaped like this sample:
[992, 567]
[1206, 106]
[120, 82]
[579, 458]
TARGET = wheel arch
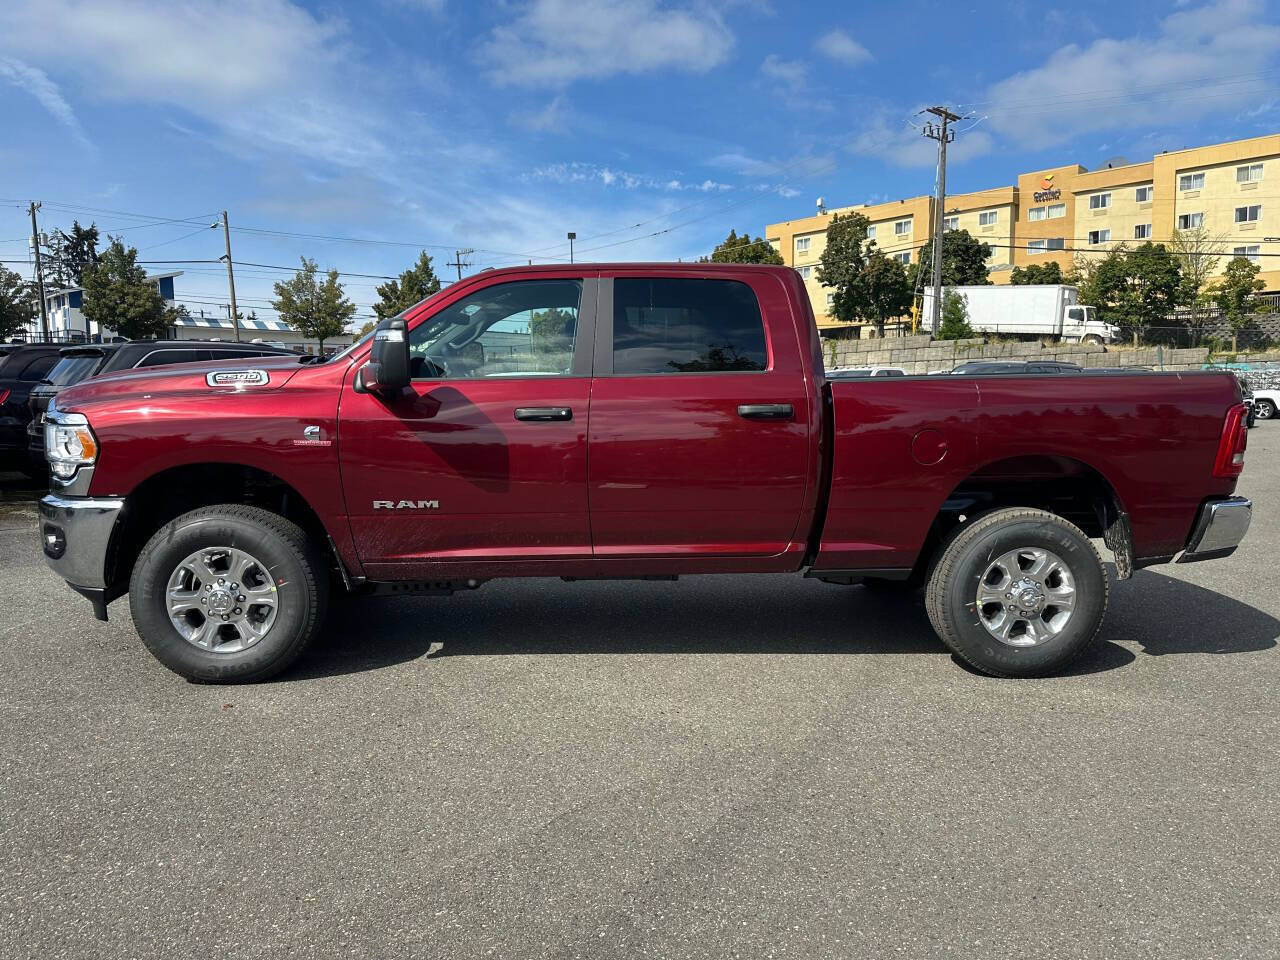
[180, 489]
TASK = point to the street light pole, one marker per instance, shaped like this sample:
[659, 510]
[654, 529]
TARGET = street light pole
[572, 237]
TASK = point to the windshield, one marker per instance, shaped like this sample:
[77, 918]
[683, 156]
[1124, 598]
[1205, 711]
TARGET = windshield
[74, 368]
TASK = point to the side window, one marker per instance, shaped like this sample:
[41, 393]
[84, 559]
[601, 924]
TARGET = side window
[524, 328]
[38, 368]
[157, 358]
[686, 325]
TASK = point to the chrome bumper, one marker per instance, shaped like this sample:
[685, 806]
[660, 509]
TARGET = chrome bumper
[76, 532]
[1219, 529]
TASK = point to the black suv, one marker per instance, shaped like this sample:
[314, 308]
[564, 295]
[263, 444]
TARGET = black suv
[22, 366]
[81, 362]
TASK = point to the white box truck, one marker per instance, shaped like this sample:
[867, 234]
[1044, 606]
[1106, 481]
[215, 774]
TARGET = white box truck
[1034, 310]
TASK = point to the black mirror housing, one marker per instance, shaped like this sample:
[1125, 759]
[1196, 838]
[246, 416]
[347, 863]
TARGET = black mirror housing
[387, 372]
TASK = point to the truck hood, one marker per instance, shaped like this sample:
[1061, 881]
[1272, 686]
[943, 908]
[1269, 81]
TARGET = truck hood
[213, 379]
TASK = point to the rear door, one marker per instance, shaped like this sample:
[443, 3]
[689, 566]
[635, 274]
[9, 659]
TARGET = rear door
[700, 422]
[483, 459]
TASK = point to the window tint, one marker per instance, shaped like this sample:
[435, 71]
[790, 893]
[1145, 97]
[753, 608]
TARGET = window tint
[164, 357]
[74, 368]
[686, 326]
[525, 328]
[39, 367]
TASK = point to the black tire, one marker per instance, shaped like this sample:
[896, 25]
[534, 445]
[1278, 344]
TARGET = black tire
[1092, 338]
[952, 592]
[1264, 409]
[280, 545]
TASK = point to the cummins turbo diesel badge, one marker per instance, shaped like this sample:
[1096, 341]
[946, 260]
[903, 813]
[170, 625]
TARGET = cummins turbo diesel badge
[237, 378]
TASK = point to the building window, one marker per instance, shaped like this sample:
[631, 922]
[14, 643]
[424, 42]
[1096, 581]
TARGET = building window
[1035, 213]
[950, 223]
[871, 232]
[1057, 243]
[1099, 236]
[1190, 221]
[901, 227]
[805, 271]
[904, 257]
[802, 244]
[1249, 214]
[1035, 247]
[1250, 173]
[1191, 181]
[831, 299]
[1099, 201]
[1057, 210]
[1249, 253]
[1143, 194]
[988, 218]
[1142, 231]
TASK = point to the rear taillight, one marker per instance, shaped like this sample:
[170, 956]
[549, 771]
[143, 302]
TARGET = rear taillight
[1235, 436]
[4, 395]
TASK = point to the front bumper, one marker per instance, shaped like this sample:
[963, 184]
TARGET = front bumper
[1219, 529]
[76, 533]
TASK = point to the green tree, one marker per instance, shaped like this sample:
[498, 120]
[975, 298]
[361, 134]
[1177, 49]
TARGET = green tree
[18, 304]
[964, 261]
[1036, 273]
[1131, 288]
[315, 308]
[552, 330]
[743, 249]
[415, 284]
[1197, 254]
[1235, 295]
[80, 249]
[883, 291]
[842, 262]
[955, 317]
[118, 296]
[363, 331]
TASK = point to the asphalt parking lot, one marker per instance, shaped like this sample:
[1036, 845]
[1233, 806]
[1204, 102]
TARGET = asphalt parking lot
[751, 767]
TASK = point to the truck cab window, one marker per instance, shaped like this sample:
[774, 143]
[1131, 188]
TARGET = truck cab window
[686, 325]
[525, 328]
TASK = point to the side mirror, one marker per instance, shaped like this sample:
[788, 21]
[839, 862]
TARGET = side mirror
[387, 372]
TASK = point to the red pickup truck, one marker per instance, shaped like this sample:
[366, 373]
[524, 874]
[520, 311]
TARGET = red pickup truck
[614, 421]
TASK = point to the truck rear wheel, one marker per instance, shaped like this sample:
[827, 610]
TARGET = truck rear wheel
[228, 594]
[1018, 593]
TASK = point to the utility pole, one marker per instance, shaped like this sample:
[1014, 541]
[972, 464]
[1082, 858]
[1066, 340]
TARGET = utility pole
[458, 262]
[231, 277]
[572, 237]
[35, 246]
[944, 135]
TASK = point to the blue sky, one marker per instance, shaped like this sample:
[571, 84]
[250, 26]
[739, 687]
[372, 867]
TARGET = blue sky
[502, 125]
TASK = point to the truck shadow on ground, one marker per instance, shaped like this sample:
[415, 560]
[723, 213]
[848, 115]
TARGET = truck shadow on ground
[778, 615]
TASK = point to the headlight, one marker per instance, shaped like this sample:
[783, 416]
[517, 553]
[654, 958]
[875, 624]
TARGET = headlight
[68, 443]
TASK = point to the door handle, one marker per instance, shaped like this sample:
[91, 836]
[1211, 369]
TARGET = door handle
[543, 414]
[765, 411]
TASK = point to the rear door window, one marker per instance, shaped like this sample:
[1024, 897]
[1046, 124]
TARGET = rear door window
[38, 368]
[159, 358]
[686, 325]
[74, 368]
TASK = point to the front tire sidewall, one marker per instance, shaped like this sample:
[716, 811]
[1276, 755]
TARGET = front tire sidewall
[970, 638]
[295, 586]
[1264, 409]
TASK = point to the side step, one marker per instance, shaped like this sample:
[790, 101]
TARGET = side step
[391, 588]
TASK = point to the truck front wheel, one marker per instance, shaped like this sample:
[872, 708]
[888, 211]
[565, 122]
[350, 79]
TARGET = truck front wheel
[228, 594]
[1018, 593]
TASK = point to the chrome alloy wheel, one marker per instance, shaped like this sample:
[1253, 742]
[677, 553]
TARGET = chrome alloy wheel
[222, 600]
[1026, 597]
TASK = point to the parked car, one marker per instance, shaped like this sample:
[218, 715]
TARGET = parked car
[1266, 403]
[21, 367]
[991, 367]
[78, 363]
[450, 447]
[848, 373]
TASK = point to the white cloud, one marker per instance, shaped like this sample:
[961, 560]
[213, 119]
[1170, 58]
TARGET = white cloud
[896, 142]
[38, 84]
[552, 43]
[551, 118]
[790, 75]
[1188, 67]
[839, 46]
[264, 70]
[577, 172]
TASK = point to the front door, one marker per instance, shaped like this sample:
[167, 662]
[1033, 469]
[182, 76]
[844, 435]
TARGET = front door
[483, 460]
[700, 425]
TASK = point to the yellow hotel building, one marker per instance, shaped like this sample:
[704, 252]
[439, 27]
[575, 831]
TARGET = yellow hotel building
[1230, 189]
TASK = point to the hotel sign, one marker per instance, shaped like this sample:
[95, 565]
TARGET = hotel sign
[1047, 191]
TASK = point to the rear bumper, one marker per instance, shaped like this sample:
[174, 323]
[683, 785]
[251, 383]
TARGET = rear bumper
[76, 533]
[1220, 527]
